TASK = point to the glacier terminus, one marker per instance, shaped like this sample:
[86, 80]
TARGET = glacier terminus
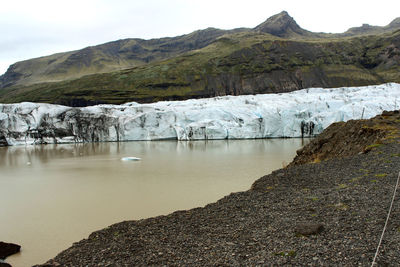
[302, 113]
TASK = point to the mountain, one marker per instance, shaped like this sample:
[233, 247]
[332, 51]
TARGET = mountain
[112, 56]
[369, 29]
[364, 29]
[276, 56]
[283, 25]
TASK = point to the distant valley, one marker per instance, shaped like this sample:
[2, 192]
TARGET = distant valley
[276, 56]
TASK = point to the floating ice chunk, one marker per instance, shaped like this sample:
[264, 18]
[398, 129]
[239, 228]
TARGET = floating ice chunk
[130, 159]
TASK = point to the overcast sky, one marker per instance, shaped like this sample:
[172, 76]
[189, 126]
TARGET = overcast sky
[41, 27]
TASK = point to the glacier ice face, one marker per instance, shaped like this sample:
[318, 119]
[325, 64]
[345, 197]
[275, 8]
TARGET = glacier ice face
[301, 113]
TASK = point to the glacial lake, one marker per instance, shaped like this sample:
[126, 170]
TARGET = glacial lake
[54, 195]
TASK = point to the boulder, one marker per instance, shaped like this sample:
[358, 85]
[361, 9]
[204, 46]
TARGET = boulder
[7, 249]
[4, 264]
[3, 141]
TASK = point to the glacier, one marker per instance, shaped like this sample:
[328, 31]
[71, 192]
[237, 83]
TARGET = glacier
[302, 113]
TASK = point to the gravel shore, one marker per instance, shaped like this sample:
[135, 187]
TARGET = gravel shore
[344, 199]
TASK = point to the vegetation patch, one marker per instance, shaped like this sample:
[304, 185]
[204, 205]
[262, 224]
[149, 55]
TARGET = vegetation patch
[220, 64]
[353, 180]
[342, 186]
[290, 253]
[340, 206]
[317, 160]
[368, 148]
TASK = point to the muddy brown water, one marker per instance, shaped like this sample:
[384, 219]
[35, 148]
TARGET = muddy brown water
[54, 195]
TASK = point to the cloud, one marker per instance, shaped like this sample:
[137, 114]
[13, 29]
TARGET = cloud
[38, 28]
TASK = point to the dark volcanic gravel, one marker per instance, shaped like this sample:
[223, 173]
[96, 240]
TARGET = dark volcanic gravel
[350, 197]
[345, 199]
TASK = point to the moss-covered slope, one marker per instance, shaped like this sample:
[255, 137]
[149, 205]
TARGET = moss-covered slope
[129, 53]
[235, 64]
[112, 56]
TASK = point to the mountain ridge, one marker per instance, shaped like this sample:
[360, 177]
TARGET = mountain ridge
[208, 63]
[107, 57]
[133, 52]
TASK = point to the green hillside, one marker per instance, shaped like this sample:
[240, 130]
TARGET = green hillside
[215, 62]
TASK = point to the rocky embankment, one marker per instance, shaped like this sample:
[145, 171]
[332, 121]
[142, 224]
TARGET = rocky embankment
[347, 139]
[328, 208]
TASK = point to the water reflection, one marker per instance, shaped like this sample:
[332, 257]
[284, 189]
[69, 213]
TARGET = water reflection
[21, 155]
[54, 195]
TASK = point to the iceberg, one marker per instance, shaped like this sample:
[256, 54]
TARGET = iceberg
[302, 113]
[130, 159]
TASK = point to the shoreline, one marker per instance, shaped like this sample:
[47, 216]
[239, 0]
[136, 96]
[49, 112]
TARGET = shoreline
[347, 195]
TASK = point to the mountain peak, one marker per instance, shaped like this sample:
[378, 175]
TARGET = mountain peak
[284, 13]
[395, 23]
[282, 25]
